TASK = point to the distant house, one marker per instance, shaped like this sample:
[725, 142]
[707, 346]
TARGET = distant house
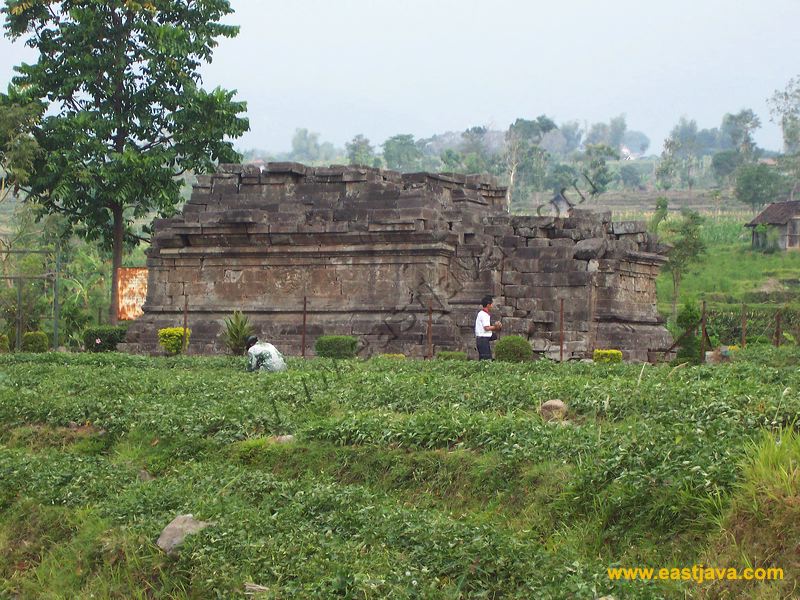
[778, 225]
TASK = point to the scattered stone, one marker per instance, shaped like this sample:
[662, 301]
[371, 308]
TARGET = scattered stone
[553, 410]
[590, 248]
[283, 439]
[174, 533]
[253, 589]
[145, 476]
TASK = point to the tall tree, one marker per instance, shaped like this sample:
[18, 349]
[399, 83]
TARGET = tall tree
[524, 159]
[305, 145]
[595, 170]
[724, 164]
[636, 141]
[402, 153]
[360, 151]
[573, 134]
[785, 107]
[759, 184]
[687, 249]
[737, 131]
[18, 148]
[127, 114]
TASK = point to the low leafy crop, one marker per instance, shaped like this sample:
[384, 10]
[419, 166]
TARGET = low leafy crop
[407, 478]
[451, 355]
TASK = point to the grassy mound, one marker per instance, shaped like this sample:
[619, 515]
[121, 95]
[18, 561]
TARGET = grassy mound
[761, 529]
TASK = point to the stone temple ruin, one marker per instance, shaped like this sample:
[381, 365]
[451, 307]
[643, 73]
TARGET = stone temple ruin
[374, 251]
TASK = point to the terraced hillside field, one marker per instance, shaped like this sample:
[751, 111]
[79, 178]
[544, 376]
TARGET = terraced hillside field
[404, 479]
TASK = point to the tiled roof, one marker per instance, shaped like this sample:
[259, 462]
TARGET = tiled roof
[777, 213]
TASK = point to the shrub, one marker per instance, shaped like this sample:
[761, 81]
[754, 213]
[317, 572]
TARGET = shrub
[103, 338]
[237, 330]
[451, 355]
[607, 356]
[171, 339]
[392, 356]
[336, 346]
[513, 348]
[689, 317]
[35, 341]
[3, 343]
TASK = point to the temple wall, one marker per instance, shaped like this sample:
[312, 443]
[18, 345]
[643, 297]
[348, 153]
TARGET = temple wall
[374, 252]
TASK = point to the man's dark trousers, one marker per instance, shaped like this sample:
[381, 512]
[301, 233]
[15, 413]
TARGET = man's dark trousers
[484, 350]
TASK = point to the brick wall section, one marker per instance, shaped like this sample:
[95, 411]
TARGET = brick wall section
[373, 250]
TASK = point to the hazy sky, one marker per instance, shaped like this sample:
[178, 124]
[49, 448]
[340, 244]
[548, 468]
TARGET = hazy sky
[408, 66]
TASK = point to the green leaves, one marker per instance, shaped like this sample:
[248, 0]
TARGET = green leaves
[129, 116]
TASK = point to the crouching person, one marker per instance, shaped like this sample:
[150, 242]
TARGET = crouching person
[262, 356]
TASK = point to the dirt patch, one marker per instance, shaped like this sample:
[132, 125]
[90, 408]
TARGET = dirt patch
[41, 436]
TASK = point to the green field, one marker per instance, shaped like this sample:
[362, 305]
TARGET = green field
[406, 479]
[730, 274]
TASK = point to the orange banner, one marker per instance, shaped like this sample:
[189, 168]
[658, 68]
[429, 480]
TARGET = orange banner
[132, 292]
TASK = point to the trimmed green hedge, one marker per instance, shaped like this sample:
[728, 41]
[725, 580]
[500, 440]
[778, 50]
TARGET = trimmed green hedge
[35, 341]
[451, 355]
[103, 338]
[513, 348]
[607, 356]
[336, 346]
[171, 339]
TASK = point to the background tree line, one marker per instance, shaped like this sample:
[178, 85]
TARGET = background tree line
[540, 156]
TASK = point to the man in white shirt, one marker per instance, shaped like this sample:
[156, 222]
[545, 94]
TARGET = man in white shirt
[484, 329]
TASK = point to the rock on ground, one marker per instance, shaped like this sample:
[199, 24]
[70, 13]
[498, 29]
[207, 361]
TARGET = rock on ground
[553, 410]
[174, 533]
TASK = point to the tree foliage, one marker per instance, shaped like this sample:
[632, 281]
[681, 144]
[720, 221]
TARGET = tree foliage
[360, 151]
[688, 248]
[760, 184]
[19, 115]
[400, 152]
[785, 107]
[595, 167]
[128, 115]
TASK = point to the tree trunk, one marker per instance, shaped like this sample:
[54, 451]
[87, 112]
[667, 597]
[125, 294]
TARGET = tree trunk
[116, 261]
[510, 189]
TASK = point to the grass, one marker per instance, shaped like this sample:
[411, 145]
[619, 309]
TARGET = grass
[406, 479]
[731, 275]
